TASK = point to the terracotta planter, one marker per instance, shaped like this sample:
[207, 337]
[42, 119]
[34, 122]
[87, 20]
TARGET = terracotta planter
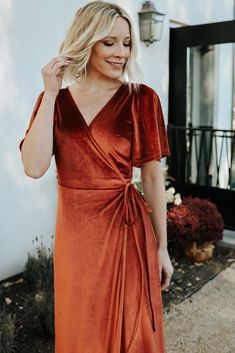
[199, 252]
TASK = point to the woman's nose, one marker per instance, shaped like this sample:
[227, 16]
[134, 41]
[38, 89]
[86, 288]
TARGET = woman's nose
[120, 51]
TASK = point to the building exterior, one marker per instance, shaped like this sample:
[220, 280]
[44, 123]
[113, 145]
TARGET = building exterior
[31, 33]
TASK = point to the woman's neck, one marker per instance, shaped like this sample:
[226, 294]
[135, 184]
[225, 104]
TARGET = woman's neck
[94, 84]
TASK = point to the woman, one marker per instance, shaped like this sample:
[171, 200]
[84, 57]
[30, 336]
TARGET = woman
[110, 253]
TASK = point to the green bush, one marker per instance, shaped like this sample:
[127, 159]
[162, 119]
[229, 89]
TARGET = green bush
[40, 309]
[39, 304]
[7, 331]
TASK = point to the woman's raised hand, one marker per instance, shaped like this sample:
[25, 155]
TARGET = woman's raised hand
[51, 75]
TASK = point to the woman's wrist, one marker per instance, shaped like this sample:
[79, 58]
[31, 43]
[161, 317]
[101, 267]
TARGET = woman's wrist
[162, 245]
[50, 94]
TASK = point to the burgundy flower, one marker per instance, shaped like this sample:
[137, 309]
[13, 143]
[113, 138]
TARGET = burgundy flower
[195, 219]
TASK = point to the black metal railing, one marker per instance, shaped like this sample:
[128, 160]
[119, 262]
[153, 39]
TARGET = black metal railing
[203, 156]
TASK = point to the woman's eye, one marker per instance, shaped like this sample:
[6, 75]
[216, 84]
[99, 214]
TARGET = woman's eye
[109, 44]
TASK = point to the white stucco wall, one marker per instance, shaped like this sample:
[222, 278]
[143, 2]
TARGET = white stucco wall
[30, 34]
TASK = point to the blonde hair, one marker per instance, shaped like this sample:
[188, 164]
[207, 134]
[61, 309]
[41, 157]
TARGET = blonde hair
[92, 23]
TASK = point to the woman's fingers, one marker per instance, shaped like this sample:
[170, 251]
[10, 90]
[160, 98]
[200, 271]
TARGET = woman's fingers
[51, 74]
[165, 267]
[60, 63]
[53, 65]
[166, 279]
[57, 66]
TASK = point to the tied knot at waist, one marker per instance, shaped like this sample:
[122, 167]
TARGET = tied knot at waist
[133, 200]
[131, 197]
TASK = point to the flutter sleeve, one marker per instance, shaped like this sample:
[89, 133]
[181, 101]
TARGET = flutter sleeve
[34, 112]
[150, 141]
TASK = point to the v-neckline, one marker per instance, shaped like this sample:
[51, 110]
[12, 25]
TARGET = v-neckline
[88, 126]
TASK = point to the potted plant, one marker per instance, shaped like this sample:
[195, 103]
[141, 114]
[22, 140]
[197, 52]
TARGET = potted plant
[196, 225]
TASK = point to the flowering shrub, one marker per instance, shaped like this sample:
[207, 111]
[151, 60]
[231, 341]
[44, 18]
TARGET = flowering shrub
[181, 223]
[171, 197]
[211, 221]
[194, 219]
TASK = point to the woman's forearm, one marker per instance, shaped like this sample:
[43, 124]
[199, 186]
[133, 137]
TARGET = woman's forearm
[37, 147]
[154, 193]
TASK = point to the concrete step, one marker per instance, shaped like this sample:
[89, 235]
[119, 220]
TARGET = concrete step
[228, 239]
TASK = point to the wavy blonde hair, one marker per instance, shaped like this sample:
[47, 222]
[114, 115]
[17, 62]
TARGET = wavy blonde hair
[92, 23]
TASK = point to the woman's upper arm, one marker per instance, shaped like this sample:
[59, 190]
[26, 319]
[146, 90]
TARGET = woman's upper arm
[151, 170]
[33, 115]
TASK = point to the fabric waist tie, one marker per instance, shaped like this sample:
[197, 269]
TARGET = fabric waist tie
[132, 197]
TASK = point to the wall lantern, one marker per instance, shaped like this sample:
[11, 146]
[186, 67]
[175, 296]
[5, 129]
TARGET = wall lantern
[150, 23]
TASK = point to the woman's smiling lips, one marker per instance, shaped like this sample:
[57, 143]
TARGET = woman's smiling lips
[115, 65]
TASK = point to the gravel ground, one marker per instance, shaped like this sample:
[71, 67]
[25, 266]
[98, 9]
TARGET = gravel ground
[205, 322]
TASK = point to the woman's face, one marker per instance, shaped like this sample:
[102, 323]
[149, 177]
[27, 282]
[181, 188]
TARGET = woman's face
[109, 55]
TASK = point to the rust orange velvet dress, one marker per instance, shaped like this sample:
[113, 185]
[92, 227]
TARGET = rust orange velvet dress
[106, 276]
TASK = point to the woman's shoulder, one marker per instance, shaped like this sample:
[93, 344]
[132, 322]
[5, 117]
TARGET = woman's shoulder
[146, 90]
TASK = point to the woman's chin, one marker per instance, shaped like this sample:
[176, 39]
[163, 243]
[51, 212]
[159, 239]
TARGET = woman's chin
[114, 75]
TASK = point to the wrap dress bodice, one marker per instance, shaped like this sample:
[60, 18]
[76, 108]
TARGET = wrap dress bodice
[106, 277]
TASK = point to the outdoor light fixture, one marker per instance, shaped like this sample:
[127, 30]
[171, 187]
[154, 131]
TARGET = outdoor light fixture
[150, 23]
